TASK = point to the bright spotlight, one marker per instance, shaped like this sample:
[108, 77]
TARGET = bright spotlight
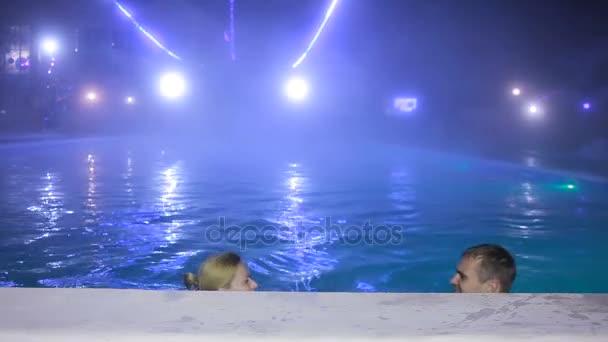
[516, 91]
[130, 100]
[534, 111]
[91, 96]
[172, 85]
[49, 46]
[297, 89]
[586, 106]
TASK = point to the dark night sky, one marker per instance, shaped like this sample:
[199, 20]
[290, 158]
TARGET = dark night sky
[458, 52]
[438, 45]
[388, 39]
[519, 31]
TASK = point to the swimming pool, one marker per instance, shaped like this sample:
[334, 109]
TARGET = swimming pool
[119, 214]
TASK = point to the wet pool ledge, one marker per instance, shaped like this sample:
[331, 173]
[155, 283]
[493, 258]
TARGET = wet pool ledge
[132, 315]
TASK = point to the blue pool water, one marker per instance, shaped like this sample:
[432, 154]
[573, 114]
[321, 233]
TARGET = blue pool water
[118, 214]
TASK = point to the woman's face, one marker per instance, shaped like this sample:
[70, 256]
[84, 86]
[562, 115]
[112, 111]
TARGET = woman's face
[242, 280]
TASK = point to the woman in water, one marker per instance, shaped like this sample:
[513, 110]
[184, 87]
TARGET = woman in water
[224, 272]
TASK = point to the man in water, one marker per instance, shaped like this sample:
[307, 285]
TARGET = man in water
[485, 268]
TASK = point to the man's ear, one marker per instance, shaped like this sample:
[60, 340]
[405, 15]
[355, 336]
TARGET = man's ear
[492, 286]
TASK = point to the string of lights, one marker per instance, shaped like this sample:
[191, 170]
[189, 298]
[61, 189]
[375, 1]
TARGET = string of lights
[312, 43]
[145, 32]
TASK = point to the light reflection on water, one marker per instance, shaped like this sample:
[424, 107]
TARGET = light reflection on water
[49, 206]
[307, 254]
[171, 200]
[526, 212]
[131, 218]
[91, 199]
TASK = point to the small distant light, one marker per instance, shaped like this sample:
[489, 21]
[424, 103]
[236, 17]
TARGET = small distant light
[53, 64]
[405, 104]
[91, 96]
[516, 91]
[533, 109]
[49, 72]
[586, 105]
[566, 186]
[76, 50]
[53, 59]
[130, 100]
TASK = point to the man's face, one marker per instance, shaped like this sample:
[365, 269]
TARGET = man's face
[466, 278]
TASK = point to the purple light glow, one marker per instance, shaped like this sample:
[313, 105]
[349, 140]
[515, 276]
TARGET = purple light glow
[91, 96]
[405, 104]
[145, 32]
[328, 14]
[586, 105]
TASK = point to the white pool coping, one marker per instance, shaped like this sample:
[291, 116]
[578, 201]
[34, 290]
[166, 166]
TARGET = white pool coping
[135, 315]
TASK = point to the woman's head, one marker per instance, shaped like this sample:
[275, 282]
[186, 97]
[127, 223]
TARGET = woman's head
[220, 273]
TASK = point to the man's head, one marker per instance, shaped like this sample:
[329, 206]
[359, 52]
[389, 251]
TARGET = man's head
[484, 268]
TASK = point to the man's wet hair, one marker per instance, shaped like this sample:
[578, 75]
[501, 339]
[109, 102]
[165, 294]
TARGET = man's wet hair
[495, 263]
